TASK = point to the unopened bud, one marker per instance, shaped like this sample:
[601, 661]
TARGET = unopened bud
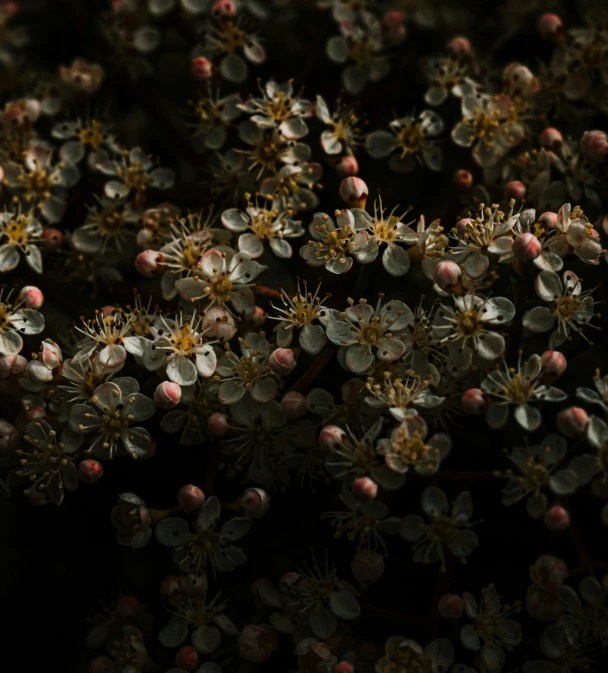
[447, 274]
[258, 317]
[515, 190]
[150, 263]
[354, 192]
[187, 658]
[223, 9]
[51, 239]
[550, 26]
[294, 405]
[548, 571]
[554, 365]
[12, 364]
[128, 607]
[463, 180]
[473, 401]
[90, 471]
[594, 146]
[169, 587]
[332, 437]
[9, 437]
[367, 566]
[459, 45]
[218, 323]
[451, 606]
[254, 502]
[202, 68]
[219, 425]
[394, 24]
[34, 413]
[346, 166]
[192, 584]
[548, 219]
[257, 642]
[282, 361]
[526, 247]
[31, 296]
[557, 519]
[37, 372]
[462, 224]
[551, 138]
[572, 422]
[364, 489]
[167, 394]
[190, 497]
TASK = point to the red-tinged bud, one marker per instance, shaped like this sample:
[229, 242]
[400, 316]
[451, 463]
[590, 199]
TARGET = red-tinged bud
[594, 146]
[548, 571]
[219, 425]
[9, 437]
[150, 263]
[519, 80]
[12, 364]
[548, 220]
[187, 658]
[257, 642]
[367, 566]
[515, 190]
[219, 323]
[394, 25]
[108, 310]
[192, 584]
[550, 26]
[450, 607]
[90, 471]
[473, 401]
[223, 9]
[447, 274]
[354, 192]
[190, 497]
[462, 224]
[254, 502]
[128, 607]
[167, 394]
[294, 405]
[258, 317]
[33, 413]
[459, 45]
[169, 587]
[282, 361]
[344, 667]
[554, 365]
[31, 296]
[463, 180]
[346, 166]
[331, 437]
[557, 519]
[572, 422]
[101, 665]
[202, 68]
[51, 239]
[364, 489]
[551, 138]
[526, 247]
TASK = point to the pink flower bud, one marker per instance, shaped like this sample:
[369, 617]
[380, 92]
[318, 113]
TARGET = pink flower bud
[254, 502]
[344, 667]
[31, 296]
[12, 364]
[128, 607]
[462, 224]
[367, 566]
[150, 263]
[101, 665]
[394, 25]
[9, 438]
[90, 471]
[550, 26]
[51, 239]
[219, 425]
[526, 247]
[33, 413]
[364, 489]
[447, 274]
[190, 497]
[258, 642]
[463, 180]
[515, 190]
[258, 317]
[519, 80]
[51, 354]
[346, 166]
[553, 364]
[294, 405]
[354, 192]
[331, 437]
[557, 519]
[451, 606]
[282, 361]
[572, 422]
[202, 68]
[548, 220]
[459, 45]
[594, 146]
[473, 401]
[548, 571]
[192, 584]
[220, 323]
[169, 587]
[167, 394]
[551, 138]
[187, 658]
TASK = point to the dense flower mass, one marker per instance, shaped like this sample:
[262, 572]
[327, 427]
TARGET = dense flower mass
[301, 335]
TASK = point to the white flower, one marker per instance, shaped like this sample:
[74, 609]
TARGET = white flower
[412, 139]
[15, 320]
[401, 393]
[112, 419]
[365, 333]
[214, 115]
[591, 396]
[331, 244]
[108, 332]
[190, 418]
[19, 232]
[571, 308]
[403, 655]
[342, 134]
[134, 172]
[464, 329]
[587, 466]
[448, 75]
[291, 188]
[107, 227]
[84, 137]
